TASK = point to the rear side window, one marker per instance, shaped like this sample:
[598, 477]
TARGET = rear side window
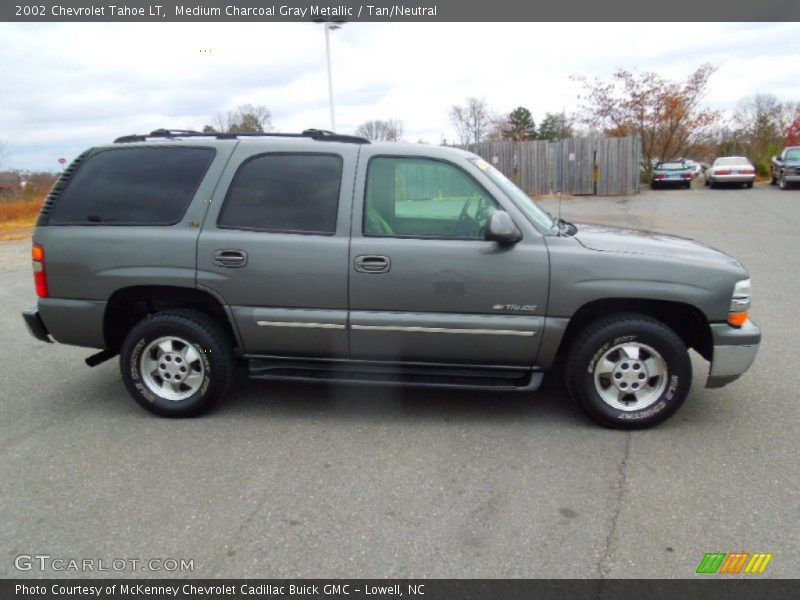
[133, 186]
[292, 193]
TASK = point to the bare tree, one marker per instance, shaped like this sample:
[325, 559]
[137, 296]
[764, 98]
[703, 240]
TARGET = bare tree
[472, 121]
[761, 122]
[387, 130]
[245, 118]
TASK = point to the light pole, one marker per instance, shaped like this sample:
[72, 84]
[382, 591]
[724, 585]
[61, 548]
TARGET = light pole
[330, 26]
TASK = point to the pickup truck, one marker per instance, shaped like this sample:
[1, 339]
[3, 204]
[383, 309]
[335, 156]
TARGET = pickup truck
[785, 168]
[322, 257]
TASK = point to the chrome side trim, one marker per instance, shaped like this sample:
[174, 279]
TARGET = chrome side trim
[306, 325]
[414, 329]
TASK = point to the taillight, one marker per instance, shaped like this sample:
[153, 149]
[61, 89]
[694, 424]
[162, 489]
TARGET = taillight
[688, 175]
[748, 171]
[659, 176]
[722, 172]
[39, 272]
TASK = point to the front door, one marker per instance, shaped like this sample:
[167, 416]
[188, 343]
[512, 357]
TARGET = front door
[425, 285]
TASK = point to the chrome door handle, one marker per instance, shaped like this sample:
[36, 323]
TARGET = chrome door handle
[230, 258]
[368, 263]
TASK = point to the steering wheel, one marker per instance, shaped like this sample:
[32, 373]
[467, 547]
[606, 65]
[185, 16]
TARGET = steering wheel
[483, 217]
[465, 226]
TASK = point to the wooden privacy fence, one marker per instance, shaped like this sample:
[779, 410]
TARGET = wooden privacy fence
[578, 166]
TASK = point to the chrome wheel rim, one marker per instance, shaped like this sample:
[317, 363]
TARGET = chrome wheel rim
[630, 376]
[172, 368]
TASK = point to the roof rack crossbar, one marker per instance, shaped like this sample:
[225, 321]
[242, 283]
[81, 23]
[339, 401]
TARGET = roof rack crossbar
[321, 135]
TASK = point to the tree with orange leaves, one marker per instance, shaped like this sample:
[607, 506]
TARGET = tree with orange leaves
[793, 131]
[666, 115]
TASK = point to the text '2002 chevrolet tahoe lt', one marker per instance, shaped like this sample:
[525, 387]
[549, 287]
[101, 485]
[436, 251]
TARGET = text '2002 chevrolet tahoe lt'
[317, 256]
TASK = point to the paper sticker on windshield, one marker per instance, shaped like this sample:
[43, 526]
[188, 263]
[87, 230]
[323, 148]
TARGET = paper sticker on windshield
[482, 164]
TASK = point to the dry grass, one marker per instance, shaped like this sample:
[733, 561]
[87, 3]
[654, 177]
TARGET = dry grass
[19, 210]
[17, 217]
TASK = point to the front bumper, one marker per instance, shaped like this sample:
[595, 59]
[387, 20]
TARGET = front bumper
[791, 177]
[35, 325]
[735, 350]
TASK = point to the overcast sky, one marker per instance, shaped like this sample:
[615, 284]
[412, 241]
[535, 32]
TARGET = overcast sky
[65, 87]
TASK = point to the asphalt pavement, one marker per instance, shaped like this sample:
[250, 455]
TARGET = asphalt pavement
[303, 480]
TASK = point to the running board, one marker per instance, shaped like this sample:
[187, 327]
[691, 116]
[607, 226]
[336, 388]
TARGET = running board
[439, 376]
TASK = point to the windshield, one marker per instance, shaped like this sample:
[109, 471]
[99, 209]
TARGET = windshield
[793, 154]
[731, 161]
[524, 202]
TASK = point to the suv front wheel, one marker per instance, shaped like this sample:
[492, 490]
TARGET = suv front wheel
[629, 371]
[177, 363]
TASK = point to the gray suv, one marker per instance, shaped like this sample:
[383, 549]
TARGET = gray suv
[323, 257]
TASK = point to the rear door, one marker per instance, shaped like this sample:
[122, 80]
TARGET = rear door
[425, 286]
[274, 245]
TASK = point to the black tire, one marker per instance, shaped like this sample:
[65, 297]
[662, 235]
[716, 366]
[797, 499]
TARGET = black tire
[688, 185]
[214, 361]
[653, 185]
[602, 337]
[772, 179]
[783, 184]
[707, 181]
[749, 185]
[712, 184]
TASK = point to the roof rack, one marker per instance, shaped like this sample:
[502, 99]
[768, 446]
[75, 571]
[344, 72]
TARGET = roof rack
[320, 135]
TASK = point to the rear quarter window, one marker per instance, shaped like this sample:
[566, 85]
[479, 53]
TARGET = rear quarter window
[133, 186]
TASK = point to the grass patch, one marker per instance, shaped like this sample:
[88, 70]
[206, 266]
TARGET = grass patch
[20, 210]
[18, 216]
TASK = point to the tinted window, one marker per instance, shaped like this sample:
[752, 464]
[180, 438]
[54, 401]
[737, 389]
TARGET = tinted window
[423, 198]
[126, 186]
[296, 193]
[671, 166]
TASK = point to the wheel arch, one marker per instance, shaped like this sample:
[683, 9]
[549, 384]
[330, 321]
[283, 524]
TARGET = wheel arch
[127, 306]
[686, 320]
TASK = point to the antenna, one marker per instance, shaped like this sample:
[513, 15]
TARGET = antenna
[561, 182]
[561, 165]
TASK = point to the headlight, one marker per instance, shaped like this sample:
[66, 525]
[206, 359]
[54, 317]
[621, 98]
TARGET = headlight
[740, 303]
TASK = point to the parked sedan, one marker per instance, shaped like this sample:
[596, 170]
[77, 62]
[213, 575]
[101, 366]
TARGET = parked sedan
[731, 169]
[671, 173]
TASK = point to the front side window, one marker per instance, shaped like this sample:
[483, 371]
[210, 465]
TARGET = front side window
[417, 197]
[142, 185]
[290, 193]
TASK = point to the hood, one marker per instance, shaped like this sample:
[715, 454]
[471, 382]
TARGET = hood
[604, 238]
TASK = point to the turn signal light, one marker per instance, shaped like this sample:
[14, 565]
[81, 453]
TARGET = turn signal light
[737, 319]
[37, 252]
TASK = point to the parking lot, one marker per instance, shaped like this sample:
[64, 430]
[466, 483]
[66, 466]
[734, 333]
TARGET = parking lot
[301, 480]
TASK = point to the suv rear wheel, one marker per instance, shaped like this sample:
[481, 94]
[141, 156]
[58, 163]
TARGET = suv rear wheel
[629, 371]
[177, 363]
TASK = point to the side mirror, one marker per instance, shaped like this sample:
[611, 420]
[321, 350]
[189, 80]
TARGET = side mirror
[777, 158]
[502, 229]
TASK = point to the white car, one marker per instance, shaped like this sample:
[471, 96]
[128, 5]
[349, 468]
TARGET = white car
[695, 166]
[731, 169]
